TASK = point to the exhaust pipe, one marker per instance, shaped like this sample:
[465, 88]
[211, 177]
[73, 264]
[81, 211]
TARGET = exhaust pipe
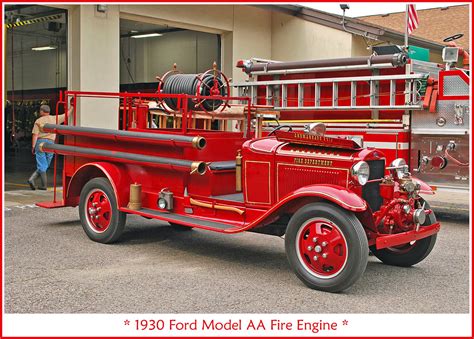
[194, 167]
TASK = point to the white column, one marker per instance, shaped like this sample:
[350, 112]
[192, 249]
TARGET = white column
[93, 62]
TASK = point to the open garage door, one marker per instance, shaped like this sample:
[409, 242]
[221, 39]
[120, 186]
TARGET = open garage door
[35, 71]
[149, 50]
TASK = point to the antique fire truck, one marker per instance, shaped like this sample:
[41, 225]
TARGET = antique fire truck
[196, 157]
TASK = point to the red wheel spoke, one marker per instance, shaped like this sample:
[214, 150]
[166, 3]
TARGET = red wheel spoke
[96, 197]
[319, 229]
[308, 242]
[317, 264]
[105, 206]
[336, 260]
[102, 222]
[336, 240]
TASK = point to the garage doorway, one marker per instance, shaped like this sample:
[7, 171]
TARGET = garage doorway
[150, 50]
[35, 72]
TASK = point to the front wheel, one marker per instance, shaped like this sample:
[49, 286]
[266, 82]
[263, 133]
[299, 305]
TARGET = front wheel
[326, 246]
[98, 211]
[408, 254]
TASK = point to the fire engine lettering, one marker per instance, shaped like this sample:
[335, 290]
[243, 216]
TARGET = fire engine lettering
[313, 162]
[311, 137]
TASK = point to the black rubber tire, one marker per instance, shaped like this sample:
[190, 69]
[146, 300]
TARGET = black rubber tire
[420, 249]
[180, 228]
[357, 246]
[117, 221]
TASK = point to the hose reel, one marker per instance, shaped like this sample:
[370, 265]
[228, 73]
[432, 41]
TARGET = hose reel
[212, 83]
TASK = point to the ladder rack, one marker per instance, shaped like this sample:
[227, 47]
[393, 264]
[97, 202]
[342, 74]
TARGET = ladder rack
[276, 92]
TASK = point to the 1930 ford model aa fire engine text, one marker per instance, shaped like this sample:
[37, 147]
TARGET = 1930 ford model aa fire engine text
[330, 198]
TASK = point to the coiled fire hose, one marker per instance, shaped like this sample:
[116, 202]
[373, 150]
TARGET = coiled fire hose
[192, 84]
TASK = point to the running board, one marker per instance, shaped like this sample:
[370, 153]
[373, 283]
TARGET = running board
[51, 204]
[182, 219]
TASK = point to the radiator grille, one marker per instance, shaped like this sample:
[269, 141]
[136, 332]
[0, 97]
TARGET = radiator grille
[371, 191]
[292, 177]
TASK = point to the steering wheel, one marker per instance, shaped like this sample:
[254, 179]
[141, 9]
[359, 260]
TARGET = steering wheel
[453, 37]
[279, 128]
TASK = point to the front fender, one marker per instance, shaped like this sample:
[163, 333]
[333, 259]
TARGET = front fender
[114, 173]
[337, 194]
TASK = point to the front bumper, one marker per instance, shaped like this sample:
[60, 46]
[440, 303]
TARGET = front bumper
[406, 237]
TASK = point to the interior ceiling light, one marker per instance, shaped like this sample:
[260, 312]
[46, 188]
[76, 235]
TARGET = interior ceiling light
[148, 35]
[43, 48]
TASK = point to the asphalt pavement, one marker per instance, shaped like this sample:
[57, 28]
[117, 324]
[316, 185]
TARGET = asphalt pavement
[52, 267]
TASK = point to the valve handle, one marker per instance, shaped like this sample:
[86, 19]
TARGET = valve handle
[215, 89]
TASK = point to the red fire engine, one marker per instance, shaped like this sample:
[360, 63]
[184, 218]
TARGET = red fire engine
[409, 109]
[199, 160]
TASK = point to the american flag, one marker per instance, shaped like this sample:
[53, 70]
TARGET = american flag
[413, 21]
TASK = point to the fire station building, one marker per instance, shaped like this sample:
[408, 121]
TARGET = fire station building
[125, 47]
[90, 42]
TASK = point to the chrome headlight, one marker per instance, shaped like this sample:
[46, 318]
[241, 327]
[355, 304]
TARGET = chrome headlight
[399, 167]
[361, 172]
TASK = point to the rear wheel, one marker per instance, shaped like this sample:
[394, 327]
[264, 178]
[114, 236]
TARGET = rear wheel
[408, 254]
[98, 211]
[326, 246]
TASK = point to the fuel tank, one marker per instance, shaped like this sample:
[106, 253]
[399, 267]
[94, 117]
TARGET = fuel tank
[274, 167]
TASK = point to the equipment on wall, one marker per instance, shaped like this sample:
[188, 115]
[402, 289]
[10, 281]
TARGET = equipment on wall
[20, 116]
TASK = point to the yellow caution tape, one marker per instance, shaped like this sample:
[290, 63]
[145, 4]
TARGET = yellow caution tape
[33, 21]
